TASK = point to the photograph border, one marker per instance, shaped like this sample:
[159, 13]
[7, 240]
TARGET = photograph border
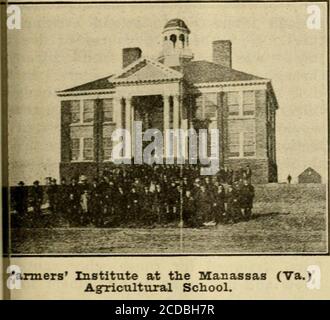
[4, 134]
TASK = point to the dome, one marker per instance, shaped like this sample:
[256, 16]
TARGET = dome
[176, 23]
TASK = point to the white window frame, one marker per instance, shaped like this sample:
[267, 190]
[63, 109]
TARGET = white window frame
[240, 97]
[241, 105]
[81, 112]
[204, 94]
[79, 145]
[241, 145]
[81, 150]
[254, 144]
[79, 106]
[110, 159]
[113, 111]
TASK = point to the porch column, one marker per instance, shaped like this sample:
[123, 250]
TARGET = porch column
[166, 120]
[132, 127]
[117, 111]
[128, 111]
[176, 111]
[128, 114]
[176, 121]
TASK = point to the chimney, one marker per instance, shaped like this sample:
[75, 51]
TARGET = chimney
[222, 52]
[130, 55]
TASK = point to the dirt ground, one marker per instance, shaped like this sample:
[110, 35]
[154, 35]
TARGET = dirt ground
[286, 219]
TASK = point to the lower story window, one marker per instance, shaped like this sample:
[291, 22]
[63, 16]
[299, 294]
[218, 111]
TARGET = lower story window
[75, 149]
[107, 148]
[248, 144]
[82, 149]
[88, 149]
[241, 144]
[234, 144]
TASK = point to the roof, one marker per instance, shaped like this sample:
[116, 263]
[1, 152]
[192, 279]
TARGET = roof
[176, 23]
[205, 71]
[309, 171]
[194, 72]
[102, 83]
[146, 70]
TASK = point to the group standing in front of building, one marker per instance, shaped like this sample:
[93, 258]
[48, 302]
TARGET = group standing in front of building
[144, 195]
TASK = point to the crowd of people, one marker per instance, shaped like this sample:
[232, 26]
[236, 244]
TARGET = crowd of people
[142, 195]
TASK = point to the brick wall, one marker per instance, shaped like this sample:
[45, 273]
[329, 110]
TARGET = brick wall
[261, 124]
[264, 170]
[65, 131]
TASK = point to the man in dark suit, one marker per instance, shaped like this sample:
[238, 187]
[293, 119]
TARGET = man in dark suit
[189, 212]
[20, 199]
[204, 204]
[96, 211]
[36, 198]
[246, 199]
[74, 209]
[219, 204]
[248, 173]
[232, 204]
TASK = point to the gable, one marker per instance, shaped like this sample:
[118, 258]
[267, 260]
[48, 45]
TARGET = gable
[146, 70]
[309, 172]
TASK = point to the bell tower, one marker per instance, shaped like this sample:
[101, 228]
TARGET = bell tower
[176, 50]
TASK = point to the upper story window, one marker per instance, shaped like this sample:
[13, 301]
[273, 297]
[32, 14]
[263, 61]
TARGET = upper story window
[199, 107]
[206, 106]
[107, 148]
[107, 110]
[241, 103]
[248, 103]
[233, 103]
[88, 111]
[75, 111]
[82, 111]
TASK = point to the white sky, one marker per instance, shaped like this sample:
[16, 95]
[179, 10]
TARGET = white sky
[60, 46]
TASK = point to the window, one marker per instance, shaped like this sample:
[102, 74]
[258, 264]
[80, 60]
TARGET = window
[206, 106]
[234, 144]
[199, 107]
[108, 110]
[88, 149]
[107, 148]
[248, 144]
[248, 103]
[173, 39]
[75, 111]
[233, 103]
[75, 150]
[241, 144]
[210, 105]
[171, 113]
[88, 113]
[241, 103]
[181, 38]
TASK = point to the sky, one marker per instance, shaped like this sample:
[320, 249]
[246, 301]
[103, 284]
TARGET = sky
[60, 46]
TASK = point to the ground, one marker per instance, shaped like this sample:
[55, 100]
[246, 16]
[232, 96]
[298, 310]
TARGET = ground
[287, 219]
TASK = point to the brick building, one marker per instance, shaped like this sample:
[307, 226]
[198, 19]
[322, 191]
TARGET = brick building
[172, 91]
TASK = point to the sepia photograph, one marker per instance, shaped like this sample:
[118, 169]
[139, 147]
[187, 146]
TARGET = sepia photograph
[168, 129]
